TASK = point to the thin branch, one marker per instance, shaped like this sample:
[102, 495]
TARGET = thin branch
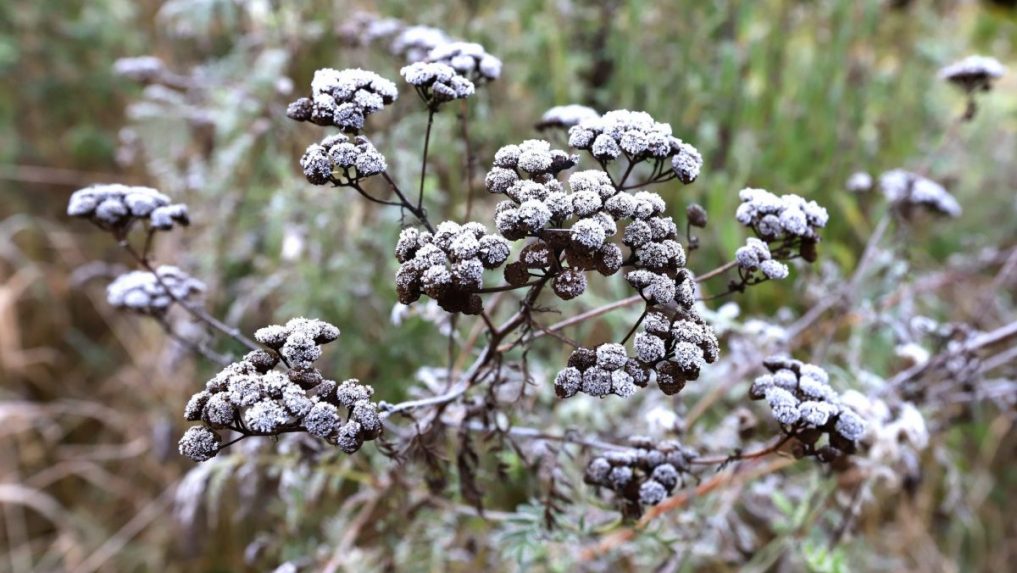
[423, 161]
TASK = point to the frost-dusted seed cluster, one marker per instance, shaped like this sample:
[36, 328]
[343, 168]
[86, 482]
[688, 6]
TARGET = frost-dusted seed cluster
[801, 400]
[469, 59]
[859, 182]
[565, 116]
[641, 476]
[973, 73]
[437, 83]
[906, 190]
[673, 348]
[140, 68]
[255, 399]
[362, 28]
[755, 255]
[343, 98]
[414, 43]
[637, 136]
[600, 372]
[143, 292]
[340, 161]
[448, 266]
[115, 207]
[787, 217]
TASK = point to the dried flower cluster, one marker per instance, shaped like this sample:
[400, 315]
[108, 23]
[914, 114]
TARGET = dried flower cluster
[414, 43]
[115, 207]
[637, 136]
[140, 69]
[146, 293]
[859, 182]
[674, 347]
[755, 255]
[641, 476]
[255, 399]
[448, 266]
[600, 372]
[343, 98]
[907, 191]
[565, 116]
[341, 162]
[773, 218]
[803, 403]
[973, 73]
[437, 83]
[468, 59]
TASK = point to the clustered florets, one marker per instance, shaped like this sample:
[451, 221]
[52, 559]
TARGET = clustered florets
[143, 292]
[339, 161]
[859, 182]
[139, 68]
[343, 98]
[674, 348]
[468, 59]
[414, 43]
[115, 207]
[642, 476]
[803, 403]
[787, 217]
[905, 191]
[253, 398]
[755, 255]
[600, 372]
[565, 116]
[973, 73]
[637, 136]
[448, 265]
[437, 83]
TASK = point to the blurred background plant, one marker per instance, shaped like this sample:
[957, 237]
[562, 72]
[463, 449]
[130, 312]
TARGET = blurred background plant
[780, 94]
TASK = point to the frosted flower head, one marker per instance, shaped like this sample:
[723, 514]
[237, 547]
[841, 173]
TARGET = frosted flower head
[199, 443]
[343, 98]
[449, 265]
[859, 182]
[469, 59]
[642, 475]
[565, 116]
[785, 217]
[437, 83]
[639, 137]
[146, 293]
[906, 191]
[973, 73]
[115, 207]
[139, 68]
[341, 161]
[414, 43]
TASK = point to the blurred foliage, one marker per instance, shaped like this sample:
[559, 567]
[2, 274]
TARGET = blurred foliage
[788, 95]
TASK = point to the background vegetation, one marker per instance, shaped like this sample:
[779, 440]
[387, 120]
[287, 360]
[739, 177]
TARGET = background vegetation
[792, 96]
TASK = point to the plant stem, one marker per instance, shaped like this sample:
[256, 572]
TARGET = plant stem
[423, 161]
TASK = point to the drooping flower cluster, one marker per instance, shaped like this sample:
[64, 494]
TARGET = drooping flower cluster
[448, 266]
[343, 98]
[437, 83]
[755, 255]
[636, 135]
[642, 476]
[773, 218]
[600, 372]
[143, 292]
[468, 59]
[255, 399]
[906, 191]
[803, 403]
[339, 161]
[565, 116]
[674, 348]
[115, 207]
[973, 73]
